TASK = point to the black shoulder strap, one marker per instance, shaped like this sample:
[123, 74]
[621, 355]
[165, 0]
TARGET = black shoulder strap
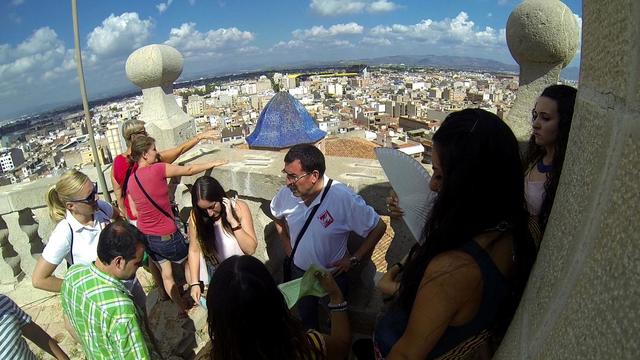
[309, 218]
[125, 183]
[150, 199]
[71, 248]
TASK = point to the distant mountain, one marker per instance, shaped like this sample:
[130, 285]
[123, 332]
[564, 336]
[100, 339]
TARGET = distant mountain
[442, 62]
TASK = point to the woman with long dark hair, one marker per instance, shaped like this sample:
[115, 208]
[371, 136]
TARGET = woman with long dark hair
[468, 274]
[219, 227]
[249, 318]
[551, 122]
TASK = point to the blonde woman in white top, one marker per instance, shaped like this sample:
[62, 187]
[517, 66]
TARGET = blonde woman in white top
[219, 227]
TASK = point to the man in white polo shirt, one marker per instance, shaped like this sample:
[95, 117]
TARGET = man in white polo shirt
[324, 242]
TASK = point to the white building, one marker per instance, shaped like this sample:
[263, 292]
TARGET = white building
[117, 145]
[11, 158]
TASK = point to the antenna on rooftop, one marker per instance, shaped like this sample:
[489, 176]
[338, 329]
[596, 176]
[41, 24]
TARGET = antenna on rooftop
[85, 102]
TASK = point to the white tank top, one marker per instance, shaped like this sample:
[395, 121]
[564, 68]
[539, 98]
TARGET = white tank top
[226, 243]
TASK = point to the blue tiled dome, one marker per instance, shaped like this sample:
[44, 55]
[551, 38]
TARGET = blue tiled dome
[284, 122]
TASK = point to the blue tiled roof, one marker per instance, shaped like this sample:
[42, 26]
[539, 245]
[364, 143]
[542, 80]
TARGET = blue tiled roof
[284, 122]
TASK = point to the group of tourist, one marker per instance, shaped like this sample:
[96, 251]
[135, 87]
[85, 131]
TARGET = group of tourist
[464, 278]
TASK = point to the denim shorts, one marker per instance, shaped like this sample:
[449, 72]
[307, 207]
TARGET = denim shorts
[170, 247]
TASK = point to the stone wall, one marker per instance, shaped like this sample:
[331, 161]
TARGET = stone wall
[583, 297]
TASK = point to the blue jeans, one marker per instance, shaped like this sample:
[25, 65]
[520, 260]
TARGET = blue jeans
[308, 305]
[170, 247]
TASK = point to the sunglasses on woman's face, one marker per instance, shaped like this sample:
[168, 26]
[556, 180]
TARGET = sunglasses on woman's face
[91, 198]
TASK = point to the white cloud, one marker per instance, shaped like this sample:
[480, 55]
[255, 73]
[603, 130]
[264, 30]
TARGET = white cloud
[319, 32]
[459, 30]
[119, 35]
[163, 6]
[382, 6]
[191, 42]
[375, 41]
[28, 61]
[17, 2]
[344, 7]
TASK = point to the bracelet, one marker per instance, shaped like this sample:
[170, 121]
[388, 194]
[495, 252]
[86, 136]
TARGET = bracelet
[199, 284]
[237, 227]
[338, 307]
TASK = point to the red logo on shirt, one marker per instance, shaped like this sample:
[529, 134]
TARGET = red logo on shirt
[325, 218]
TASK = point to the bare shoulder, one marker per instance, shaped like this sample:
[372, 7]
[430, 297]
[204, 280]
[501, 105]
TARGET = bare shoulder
[241, 204]
[455, 269]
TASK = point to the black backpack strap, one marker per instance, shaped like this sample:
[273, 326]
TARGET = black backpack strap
[151, 200]
[309, 218]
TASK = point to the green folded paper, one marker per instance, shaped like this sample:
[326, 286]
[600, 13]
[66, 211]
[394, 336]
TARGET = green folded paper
[307, 285]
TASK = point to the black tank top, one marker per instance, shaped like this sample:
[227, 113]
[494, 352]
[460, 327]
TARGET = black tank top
[496, 290]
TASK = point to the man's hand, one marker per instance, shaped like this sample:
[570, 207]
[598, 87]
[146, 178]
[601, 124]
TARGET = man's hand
[341, 266]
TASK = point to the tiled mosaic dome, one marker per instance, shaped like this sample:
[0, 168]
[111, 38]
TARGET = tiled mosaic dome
[284, 122]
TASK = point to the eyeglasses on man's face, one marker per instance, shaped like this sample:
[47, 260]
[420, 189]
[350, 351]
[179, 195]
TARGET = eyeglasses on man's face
[293, 178]
[91, 198]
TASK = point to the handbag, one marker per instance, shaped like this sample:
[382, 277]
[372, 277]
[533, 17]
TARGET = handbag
[174, 208]
[288, 260]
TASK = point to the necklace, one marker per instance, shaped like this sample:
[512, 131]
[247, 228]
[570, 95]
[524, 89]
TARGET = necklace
[544, 168]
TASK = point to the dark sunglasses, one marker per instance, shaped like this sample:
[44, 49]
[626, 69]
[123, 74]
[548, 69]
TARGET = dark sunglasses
[91, 198]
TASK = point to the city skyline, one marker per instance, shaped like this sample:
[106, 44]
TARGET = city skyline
[36, 44]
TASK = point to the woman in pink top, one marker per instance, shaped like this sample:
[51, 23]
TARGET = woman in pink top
[551, 122]
[148, 189]
[130, 130]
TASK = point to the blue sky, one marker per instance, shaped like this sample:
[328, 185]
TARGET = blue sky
[217, 36]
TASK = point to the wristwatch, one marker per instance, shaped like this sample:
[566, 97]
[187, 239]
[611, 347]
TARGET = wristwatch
[354, 261]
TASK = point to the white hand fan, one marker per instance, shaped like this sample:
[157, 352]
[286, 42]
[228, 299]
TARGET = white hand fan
[410, 181]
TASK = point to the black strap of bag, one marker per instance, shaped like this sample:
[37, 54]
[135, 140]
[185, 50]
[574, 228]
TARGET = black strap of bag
[289, 260]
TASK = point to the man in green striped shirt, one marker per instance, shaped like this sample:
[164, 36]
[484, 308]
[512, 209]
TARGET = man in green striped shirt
[100, 307]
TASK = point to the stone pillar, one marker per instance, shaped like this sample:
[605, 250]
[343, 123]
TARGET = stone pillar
[29, 225]
[543, 38]
[583, 296]
[154, 68]
[10, 270]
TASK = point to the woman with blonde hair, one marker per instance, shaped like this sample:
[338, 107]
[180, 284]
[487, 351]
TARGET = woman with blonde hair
[73, 203]
[148, 189]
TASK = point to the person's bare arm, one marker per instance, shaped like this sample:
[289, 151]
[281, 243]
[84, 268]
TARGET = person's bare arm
[170, 155]
[246, 235]
[365, 249]
[43, 277]
[339, 341]
[117, 192]
[283, 234]
[34, 332]
[188, 170]
[447, 285]
[389, 283]
[194, 260]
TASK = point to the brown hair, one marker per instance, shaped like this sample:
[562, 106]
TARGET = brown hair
[139, 146]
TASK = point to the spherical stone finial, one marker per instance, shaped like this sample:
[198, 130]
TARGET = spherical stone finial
[154, 65]
[542, 31]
